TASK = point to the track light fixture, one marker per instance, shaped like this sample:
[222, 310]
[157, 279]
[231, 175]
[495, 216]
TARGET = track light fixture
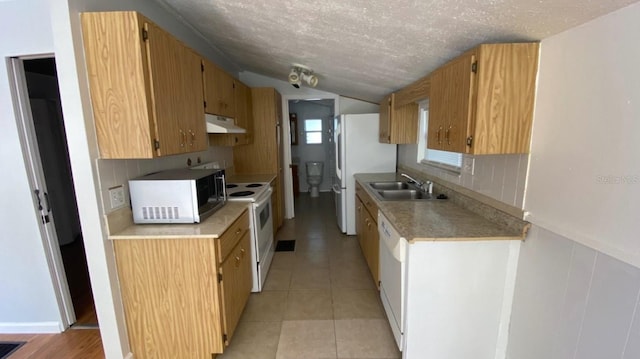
[299, 74]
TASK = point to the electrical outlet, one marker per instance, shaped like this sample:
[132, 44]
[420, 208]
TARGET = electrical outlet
[468, 164]
[116, 196]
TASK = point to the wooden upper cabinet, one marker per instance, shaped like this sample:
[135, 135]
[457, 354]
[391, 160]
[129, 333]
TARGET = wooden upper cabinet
[244, 119]
[449, 104]
[219, 93]
[482, 101]
[146, 87]
[398, 124]
[244, 107]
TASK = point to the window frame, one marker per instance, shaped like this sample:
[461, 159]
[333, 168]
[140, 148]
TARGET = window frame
[307, 132]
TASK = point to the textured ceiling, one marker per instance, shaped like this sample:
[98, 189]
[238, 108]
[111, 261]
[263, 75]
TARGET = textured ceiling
[368, 48]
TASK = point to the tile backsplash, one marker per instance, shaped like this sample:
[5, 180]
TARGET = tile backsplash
[501, 177]
[114, 173]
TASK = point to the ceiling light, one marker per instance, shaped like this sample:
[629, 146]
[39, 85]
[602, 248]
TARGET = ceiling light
[294, 77]
[310, 79]
[300, 73]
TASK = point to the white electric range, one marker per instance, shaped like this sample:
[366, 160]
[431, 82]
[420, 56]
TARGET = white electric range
[260, 217]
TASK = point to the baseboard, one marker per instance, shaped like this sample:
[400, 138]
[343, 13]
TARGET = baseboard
[31, 328]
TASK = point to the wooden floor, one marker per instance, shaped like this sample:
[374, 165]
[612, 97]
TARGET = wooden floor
[72, 344]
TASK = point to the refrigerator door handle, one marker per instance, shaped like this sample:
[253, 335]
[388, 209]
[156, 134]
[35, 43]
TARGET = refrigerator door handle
[336, 189]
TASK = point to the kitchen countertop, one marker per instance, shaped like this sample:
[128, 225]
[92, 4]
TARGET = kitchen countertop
[121, 224]
[212, 227]
[436, 220]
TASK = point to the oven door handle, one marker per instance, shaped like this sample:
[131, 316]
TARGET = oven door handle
[266, 197]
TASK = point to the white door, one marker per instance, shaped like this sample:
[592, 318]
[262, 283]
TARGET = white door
[40, 194]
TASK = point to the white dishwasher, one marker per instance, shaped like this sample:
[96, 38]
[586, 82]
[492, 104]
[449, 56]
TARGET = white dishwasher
[393, 252]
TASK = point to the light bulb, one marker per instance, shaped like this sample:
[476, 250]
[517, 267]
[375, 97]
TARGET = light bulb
[310, 79]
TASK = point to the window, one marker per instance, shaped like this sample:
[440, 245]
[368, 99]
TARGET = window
[443, 159]
[313, 131]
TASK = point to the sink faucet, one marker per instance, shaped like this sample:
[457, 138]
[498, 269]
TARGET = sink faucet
[421, 184]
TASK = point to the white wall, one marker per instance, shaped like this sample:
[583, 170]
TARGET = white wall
[585, 174]
[573, 301]
[27, 299]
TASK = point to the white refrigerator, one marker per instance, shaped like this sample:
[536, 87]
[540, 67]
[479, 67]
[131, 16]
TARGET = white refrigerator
[357, 150]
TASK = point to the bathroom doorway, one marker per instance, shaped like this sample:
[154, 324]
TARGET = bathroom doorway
[311, 127]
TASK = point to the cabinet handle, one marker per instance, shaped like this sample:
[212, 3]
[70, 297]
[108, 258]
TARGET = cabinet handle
[242, 251]
[446, 135]
[193, 137]
[237, 262]
[238, 230]
[184, 138]
[438, 134]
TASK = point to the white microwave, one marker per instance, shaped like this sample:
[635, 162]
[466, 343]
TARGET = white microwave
[177, 196]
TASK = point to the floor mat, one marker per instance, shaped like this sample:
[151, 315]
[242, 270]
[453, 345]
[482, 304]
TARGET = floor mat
[286, 246]
[6, 348]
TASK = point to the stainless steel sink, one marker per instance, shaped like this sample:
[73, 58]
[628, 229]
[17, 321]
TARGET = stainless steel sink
[404, 194]
[399, 191]
[390, 185]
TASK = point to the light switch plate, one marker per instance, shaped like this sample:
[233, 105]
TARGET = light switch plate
[468, 164]
[116, 196]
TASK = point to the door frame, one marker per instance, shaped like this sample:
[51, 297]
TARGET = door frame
[286, 136]
[35, 174]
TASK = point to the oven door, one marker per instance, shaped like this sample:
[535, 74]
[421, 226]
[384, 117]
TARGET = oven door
[263, 229]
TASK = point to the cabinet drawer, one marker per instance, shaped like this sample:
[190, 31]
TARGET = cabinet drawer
[232, 235]
[367, 201]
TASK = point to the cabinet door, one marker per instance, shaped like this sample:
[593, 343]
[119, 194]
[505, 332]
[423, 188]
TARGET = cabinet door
[373, 239]
[218, 90]
[236, 284]
[385, 119]
[192, 102]
[450, 104]
[360, 225]
[115, 54]
[164, 58]
[244, 115]
[505, 88]
[169, 291]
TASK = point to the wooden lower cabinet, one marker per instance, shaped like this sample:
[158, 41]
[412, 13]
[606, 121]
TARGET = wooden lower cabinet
[368, 237]
[236, 283]
[181, 300]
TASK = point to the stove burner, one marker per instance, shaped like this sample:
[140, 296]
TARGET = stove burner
[231, 185]
[254, 185]
[241, 194]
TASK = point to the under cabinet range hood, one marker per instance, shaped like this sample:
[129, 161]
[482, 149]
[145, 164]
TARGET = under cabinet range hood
[219, 124]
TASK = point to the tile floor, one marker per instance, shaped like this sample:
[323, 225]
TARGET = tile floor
[319, 302]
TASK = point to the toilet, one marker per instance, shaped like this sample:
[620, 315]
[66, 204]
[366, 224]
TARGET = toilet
[314, 176]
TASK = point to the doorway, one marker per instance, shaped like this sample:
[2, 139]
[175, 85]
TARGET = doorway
[311, 126]
[47, 157]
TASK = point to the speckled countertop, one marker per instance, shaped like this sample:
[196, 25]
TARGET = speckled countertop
[437, 220]
[212, 227]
